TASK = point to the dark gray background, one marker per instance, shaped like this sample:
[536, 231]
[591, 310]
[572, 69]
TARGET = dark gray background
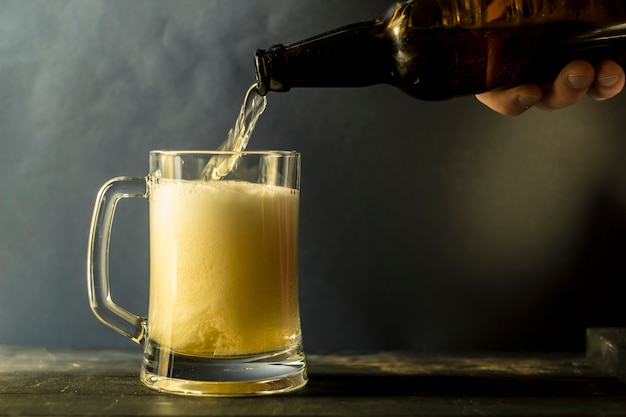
[426, 226]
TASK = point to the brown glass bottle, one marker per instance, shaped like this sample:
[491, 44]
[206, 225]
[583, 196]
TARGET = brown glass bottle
[439, 49]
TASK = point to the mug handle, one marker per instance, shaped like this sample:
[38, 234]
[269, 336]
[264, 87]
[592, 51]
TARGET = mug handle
[114, 316]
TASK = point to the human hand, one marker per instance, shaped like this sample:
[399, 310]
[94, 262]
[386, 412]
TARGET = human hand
[578, 78]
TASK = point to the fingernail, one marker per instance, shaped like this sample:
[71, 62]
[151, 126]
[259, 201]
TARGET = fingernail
[608, 81]
[578, 81]
[527, 101]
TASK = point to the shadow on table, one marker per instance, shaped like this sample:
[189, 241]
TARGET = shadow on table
[364, 385]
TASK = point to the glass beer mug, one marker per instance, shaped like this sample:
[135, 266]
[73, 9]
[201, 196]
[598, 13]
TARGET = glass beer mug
[223, 316]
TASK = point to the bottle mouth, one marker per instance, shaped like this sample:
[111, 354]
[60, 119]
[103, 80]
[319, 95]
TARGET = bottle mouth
[261, 72]
[271, 70]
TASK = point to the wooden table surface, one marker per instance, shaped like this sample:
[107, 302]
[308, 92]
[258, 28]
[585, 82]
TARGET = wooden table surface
[53, 382]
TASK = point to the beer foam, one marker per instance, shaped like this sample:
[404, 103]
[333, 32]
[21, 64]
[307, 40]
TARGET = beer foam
[223, 267]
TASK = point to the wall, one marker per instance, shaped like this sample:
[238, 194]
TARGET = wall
[425, 226]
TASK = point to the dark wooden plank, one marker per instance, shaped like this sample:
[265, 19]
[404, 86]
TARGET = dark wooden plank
[105, 383]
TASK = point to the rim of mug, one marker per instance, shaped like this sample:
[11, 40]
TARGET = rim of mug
[173, 152]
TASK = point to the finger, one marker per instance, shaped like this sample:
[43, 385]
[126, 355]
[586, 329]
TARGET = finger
[569, 87]
[609, 81]
[512, 102]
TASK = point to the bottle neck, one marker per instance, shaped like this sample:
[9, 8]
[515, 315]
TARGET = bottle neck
[353, 56]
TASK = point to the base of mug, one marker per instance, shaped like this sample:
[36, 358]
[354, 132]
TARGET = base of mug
[273, 373]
